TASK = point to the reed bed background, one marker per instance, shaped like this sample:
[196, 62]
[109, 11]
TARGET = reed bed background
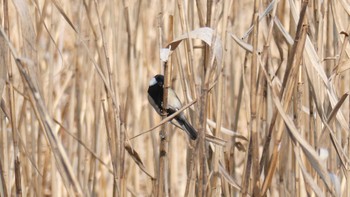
[266, 84]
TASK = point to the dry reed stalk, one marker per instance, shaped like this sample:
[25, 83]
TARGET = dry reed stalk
[264, 59]
[111, 141]
[162, 171]
[168, 73]
[17, 162]
[254, 122]
[203, 107]
[163, 184]
[297, 111]
[163, 181]
[5, 61]
[202, 180]
[216, 183]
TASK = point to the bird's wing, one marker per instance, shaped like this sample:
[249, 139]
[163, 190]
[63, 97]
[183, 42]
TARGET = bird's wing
[154, 105]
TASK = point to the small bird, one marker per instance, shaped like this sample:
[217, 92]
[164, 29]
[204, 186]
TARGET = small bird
[155, 98]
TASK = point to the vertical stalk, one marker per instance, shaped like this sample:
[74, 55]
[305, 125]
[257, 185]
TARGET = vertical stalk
[252, 154]
[17, 163]
[111, 141]
[163, 181]
[4, 161]
[164, 141]
[167, 85]
[253, 105]
[217, 154]
[202, 181]
[297, 120]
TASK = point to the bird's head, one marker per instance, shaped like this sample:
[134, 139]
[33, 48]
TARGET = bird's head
[157, 80]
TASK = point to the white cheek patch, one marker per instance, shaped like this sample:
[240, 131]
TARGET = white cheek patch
[152, 82]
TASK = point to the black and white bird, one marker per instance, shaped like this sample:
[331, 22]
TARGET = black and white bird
[155, 98]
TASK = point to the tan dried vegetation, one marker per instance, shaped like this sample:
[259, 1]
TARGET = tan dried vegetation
[265, 83]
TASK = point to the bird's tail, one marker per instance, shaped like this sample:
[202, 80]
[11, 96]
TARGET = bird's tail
[187, 127]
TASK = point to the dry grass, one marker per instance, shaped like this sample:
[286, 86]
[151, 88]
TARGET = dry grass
[266, 86]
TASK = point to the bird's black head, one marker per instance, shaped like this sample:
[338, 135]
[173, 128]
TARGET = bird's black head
[157, 80]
